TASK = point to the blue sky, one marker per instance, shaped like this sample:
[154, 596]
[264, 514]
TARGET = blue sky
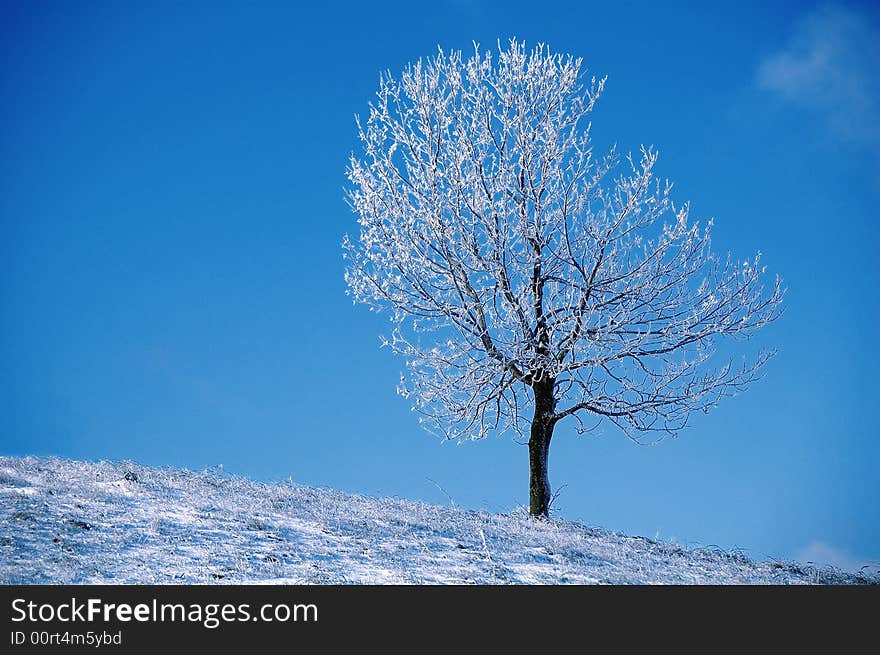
[171, 213]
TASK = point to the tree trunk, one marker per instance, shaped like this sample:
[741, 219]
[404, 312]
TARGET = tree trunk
[539, 449]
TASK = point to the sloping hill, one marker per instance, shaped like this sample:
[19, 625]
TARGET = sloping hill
[65, 521]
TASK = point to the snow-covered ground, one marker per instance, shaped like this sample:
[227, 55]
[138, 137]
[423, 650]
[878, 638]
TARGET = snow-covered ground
[65, 521]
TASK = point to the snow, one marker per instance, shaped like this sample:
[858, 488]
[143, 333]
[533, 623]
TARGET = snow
[119, 522]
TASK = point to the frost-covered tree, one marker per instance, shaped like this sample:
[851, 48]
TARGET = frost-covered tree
[528, 279]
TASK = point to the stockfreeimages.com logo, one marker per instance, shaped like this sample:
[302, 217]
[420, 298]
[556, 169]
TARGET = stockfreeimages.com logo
[209, 615]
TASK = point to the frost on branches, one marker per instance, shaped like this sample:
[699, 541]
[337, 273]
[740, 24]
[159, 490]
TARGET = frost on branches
[527, 278]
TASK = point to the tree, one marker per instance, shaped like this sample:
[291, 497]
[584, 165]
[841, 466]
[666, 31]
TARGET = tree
[527, 280]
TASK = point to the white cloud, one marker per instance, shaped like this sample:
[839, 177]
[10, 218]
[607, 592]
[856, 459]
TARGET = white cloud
[830, 65]
[824, 554]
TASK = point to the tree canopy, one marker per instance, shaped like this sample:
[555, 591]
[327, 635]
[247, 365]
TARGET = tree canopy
[511, 257]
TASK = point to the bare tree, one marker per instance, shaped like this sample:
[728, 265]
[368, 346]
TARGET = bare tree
[527, 280]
